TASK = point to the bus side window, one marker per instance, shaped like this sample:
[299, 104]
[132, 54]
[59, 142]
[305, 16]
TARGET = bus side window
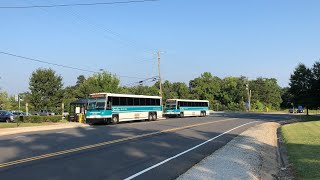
[136, 101]
[109, 102]
[158, 102]
[123, 101]
[153, 102]
[130, 101]
[142, 101]
[148, 103]
[115, 101]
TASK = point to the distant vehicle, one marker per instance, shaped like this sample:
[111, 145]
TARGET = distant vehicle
[65, 113]
[17, 113]
[6, 116]
[20, 113]
[114, 108]
[35, 113]
[300, 109]
[291, 110]
[46, 113]
[185, 107]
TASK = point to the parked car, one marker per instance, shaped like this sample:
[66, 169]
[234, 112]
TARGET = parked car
[35, 113]
[6, 116]
[19, 113]
[291, 110]
[300, 109]
[65, 113]
[46, 113]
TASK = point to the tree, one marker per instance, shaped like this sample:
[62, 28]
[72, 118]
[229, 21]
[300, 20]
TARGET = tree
[315, 86]
[206, 87]
[99, 82]
[80, 80]
[4, 100]
[287, 98]
[266, 91]
[233, 93]
[142, 90]
[181, 90]
[300, 86]
[45, 89]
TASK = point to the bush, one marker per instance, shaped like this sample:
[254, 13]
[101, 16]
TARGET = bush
[41, 119]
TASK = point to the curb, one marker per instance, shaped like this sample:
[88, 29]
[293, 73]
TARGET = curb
[11, 131]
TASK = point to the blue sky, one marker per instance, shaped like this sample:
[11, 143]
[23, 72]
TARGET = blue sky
[227, 38]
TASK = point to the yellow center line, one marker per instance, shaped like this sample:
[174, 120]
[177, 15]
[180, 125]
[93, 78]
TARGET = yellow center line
[11, 163]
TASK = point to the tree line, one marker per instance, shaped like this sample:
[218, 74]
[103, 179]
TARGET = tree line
[304, 87]
[46, 91]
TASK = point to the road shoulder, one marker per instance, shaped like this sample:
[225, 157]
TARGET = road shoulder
[251, 155]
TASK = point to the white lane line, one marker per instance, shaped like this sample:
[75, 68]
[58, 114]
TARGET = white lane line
[60, 132]
[19, 137]
[184, 152]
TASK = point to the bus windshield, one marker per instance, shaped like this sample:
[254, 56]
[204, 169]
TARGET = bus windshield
[97, 104]
[170, 105]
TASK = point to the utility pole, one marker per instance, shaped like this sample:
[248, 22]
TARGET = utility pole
[160, 83]
[249, 95]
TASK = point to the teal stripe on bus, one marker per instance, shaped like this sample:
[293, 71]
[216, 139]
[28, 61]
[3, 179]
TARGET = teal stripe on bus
[127, 109]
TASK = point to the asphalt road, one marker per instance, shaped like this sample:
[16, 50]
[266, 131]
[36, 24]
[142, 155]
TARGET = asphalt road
[141, 150]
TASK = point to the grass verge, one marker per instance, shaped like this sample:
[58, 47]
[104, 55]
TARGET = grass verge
[302, 141]
[14, 125]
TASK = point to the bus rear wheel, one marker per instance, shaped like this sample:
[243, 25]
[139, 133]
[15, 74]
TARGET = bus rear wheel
[150, 117]
[154, 117]
[115, 119]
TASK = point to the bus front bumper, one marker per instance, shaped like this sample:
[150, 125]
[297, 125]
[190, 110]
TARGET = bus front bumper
[96, 120]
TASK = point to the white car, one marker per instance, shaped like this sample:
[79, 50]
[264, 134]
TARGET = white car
[46, 113]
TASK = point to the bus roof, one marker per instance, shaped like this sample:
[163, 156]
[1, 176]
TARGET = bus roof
[126, 95]
[189, 100]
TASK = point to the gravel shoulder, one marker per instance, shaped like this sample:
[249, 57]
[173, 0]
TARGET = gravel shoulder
[251, 155]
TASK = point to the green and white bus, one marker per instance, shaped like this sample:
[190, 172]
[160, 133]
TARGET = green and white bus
[115, 108]
[185, 107]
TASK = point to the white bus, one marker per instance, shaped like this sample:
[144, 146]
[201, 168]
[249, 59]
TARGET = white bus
[115, 108]
[186, 107]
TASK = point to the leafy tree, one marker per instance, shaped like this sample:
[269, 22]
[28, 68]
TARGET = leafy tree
[206, 87]
[4, 101]
[315, 86]
[45, 89]
[233, 93]
[142, 90]
[266, 91]
[300, 85]
[287, 97]
[181, 90]
[80, 80]
[99, 82]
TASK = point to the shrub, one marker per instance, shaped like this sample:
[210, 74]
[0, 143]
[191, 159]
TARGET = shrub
[41, 119]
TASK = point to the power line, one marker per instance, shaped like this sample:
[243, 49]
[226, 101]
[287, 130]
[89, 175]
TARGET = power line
[115, 36]
[76, 4]
[60, 65]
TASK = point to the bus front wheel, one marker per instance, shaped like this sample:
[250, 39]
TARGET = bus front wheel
[115, 119]
[181, 115]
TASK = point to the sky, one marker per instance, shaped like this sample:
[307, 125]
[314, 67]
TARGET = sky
[265, 38]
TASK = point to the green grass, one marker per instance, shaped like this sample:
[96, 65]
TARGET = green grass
[14, 125]
[303, 145]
